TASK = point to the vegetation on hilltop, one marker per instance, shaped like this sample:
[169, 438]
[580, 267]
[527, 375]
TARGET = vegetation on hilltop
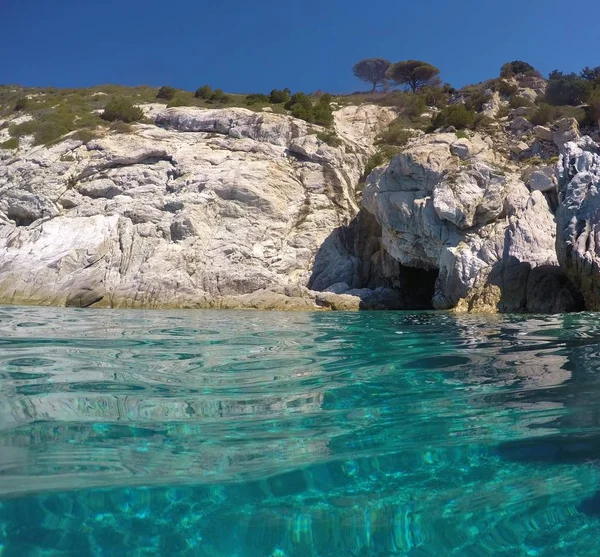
[412, 87]
[372, 70]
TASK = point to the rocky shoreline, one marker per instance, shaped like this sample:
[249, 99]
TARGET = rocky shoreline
[229, 208]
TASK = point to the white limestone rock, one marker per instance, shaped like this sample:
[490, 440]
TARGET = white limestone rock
[476, 223]
[578, 217]
[212, 206]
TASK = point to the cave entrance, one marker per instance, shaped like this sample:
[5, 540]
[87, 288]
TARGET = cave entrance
[418, 287]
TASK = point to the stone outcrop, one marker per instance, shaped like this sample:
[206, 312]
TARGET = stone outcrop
[578, 217]
[211, 208]
[230, 208]
[458, 208]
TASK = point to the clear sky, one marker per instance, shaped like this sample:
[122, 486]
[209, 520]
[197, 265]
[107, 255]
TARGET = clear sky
[253, 46]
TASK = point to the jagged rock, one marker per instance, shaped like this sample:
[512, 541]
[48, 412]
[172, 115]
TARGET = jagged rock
[520, 124]
[565, 130]
[541, 179]
[477, 225]
[543, 133]
[520, 111]
[368, 299]
[578, 217]
[491, 107]
[211, 206]
[519, 147]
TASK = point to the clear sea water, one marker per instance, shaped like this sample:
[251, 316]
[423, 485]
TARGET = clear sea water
[298, 434]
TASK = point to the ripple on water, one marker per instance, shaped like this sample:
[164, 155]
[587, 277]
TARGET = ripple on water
[255, 433]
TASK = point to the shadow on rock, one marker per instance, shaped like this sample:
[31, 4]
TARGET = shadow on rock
[352, 270]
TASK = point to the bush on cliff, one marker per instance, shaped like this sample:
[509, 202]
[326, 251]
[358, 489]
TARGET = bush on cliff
[12, 143]
[567, 89]
[594, 103]
[21, 104]
[278, 96]
[167, 93]
[517, 67]
[257, 98]
[330, 138]
[218, 96]
[122, 110]
[203, 92]
[301, 106]
[395, 134]
[547, 114]
[457, 115]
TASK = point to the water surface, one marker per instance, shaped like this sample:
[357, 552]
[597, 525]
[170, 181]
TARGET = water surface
[298, 434]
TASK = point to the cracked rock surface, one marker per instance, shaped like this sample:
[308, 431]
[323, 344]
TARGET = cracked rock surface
[211, 208]
[454, 205]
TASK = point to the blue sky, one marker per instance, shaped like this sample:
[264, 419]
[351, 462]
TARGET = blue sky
[254, 46]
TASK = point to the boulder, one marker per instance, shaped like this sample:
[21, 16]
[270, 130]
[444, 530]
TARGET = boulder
[518, 147]
[565, 130]
[541, 179]
[543, 133]
[520, 124]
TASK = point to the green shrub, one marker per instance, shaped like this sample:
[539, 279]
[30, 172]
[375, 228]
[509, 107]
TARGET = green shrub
[25, 128]
[257, 98]
[475, 97]
[180, 100]
[12, 143]
[434, 96]
[503, 112]
[461, 134]
[218, 96]
[298, 98]
[381, 157]
[331, 138]
[457, 115]
[277, 96]
[413, 106]
[516, 101]
[85, 135]
[203, 92]
[505, 88]
[517, 67]
[118, 126]
[546, 114]
[122, 110]
[22, 103]
[301, 107]
[481, 122]
[395, 134]
[594, 102]
[167, 93]
[322, 113]
[567, 89]
[542, 115]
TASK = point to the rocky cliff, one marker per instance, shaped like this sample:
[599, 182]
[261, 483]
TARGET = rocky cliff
[234, 208]
[207, 208]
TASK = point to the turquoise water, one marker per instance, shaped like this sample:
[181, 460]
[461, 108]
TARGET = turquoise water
[298, 434]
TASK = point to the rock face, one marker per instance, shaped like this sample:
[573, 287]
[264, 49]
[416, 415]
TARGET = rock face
[578, 217]
[217, 208]
[454, 207]
[231, 208]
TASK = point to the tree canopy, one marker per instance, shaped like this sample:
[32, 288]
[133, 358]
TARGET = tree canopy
[372, 70]
[415, 74]
[516, 67]
[566, 89]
